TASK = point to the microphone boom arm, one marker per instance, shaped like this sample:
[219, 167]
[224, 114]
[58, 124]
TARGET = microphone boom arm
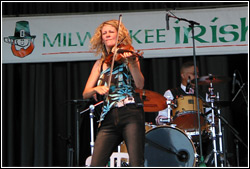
[183, 19]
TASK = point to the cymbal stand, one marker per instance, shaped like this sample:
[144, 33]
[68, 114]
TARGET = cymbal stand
[169, 103]
[168, 119]
[91, 115]
[220, 135]
[212, 97]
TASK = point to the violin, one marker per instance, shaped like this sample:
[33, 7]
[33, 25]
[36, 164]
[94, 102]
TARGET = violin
[121, 48]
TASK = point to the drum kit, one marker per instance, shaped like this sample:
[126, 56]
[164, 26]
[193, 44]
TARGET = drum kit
[175, 143]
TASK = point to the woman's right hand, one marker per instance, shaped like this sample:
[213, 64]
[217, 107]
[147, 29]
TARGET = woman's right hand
[102, 90]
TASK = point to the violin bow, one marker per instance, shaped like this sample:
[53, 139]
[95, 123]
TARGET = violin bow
[115, 53]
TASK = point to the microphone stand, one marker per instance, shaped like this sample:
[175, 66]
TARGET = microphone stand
[91, 115]
[77, 138]
[236, 134]
[192, 23]
[234, 131]
[241, 89]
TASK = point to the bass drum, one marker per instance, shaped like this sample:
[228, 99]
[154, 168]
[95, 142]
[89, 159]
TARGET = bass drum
[167, 146]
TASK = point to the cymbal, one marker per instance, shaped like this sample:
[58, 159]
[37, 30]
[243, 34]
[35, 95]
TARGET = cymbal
[215, 79]
[153, 101]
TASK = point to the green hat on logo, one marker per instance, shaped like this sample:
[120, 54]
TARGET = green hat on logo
[22, 31]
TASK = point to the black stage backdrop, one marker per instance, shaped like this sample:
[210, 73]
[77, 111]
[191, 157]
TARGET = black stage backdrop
[39, 117]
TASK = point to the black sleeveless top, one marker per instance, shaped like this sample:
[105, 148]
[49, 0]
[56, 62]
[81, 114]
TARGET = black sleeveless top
[178, 91]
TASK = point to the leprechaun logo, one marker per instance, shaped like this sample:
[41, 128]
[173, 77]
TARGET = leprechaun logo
[22, 43]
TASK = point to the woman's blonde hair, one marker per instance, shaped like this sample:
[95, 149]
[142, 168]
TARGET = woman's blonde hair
[96, 41]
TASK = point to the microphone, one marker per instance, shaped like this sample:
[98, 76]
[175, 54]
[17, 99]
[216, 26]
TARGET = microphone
[92, 108]
[234, 81]
[167, 21]
[188, 84]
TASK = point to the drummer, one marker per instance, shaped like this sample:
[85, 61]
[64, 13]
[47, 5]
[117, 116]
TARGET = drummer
[186, 88]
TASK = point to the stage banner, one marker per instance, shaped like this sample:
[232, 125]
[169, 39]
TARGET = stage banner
[221, 31]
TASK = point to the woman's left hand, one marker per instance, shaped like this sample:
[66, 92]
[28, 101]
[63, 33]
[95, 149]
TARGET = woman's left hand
[130, 57]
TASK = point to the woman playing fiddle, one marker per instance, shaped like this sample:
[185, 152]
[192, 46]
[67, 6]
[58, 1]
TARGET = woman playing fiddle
[122, 116]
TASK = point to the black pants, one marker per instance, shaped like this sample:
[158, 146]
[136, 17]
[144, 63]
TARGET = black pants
[125, 123]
